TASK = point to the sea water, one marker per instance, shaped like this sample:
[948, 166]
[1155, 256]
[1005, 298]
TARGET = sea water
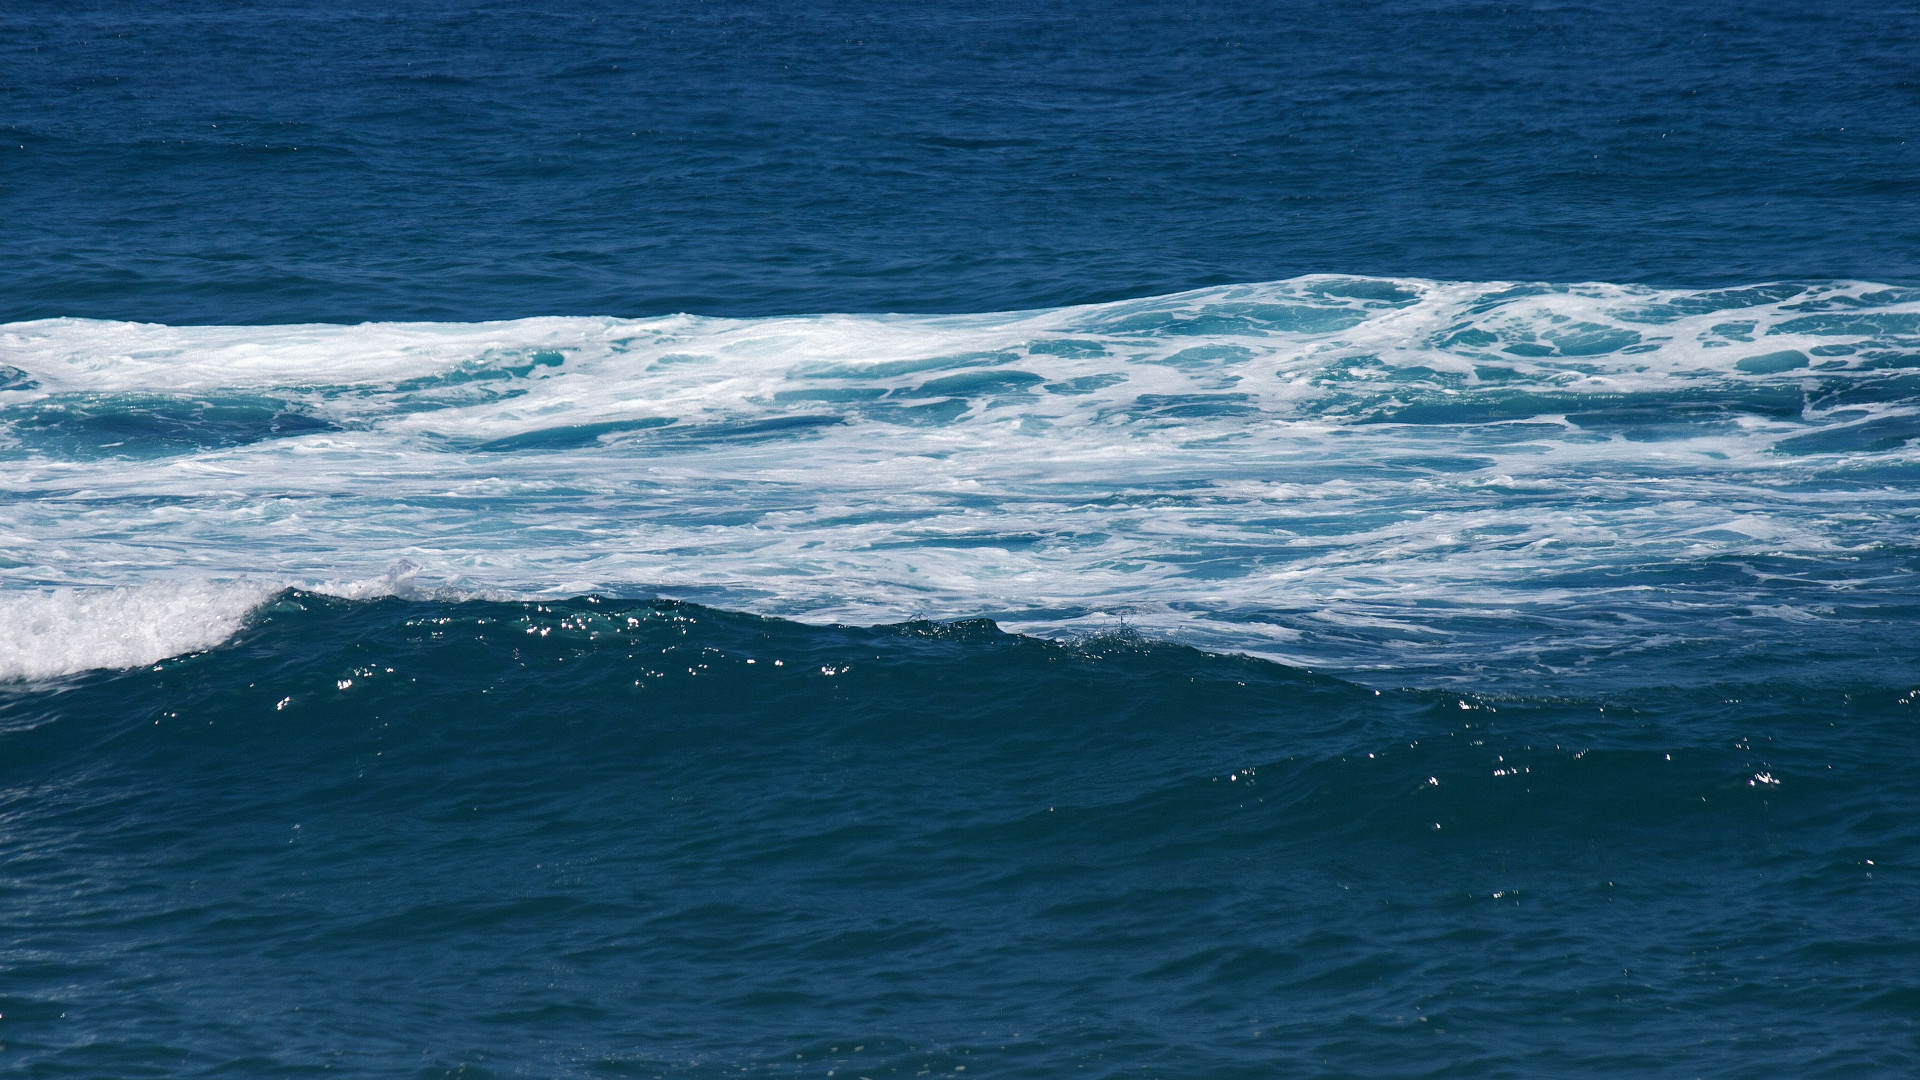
[1403, 603]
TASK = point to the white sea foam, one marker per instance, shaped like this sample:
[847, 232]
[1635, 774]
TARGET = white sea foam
[1301, 469]
[46, 633]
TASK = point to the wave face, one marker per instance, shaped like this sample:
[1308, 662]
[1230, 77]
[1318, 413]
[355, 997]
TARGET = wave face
[1367, 672]
[643, 838]
[1475, 482]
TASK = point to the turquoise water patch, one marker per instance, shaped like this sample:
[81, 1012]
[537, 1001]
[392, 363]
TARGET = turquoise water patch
[1590, 339]
[932, 413]
[1193, 406]
[487, 368]
[1068, 347]
[831, 395]
[1672, 409]
[1773, 363]
[1876, 324]
[146, 425]
[1207, 356]
[1712, 301]
[1886, 433]
[974, 384]
[1085, 384]
[569, 436]
[888, 369]
[1381, 292]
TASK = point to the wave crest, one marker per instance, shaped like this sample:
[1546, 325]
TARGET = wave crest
[49, 633]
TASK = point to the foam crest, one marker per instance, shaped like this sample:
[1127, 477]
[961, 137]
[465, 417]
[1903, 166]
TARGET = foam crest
[44, 634]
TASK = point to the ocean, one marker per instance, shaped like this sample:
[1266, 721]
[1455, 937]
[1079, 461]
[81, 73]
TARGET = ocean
[1206, 540]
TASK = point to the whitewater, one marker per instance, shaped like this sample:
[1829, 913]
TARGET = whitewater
[1448, 480]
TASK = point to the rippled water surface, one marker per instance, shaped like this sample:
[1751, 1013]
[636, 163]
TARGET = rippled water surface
[1224, 540]
[635, 839]
[426, 159]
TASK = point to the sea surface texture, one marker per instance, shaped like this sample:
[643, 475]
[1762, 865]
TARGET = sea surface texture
[1218, 540]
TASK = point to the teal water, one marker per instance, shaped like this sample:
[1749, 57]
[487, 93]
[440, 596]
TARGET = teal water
[1212, 540]
[635, 839]
[1344, 676]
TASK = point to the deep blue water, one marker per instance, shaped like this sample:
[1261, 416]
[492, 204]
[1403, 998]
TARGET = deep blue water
[286, 161]
[626, 843]
[1387, 544]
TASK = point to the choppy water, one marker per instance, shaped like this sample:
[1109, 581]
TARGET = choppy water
[1619, 585]
[1289, 615]
[1490, 482]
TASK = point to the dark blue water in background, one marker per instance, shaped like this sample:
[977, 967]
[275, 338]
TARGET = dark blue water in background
[288, 162]
[446, 835]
